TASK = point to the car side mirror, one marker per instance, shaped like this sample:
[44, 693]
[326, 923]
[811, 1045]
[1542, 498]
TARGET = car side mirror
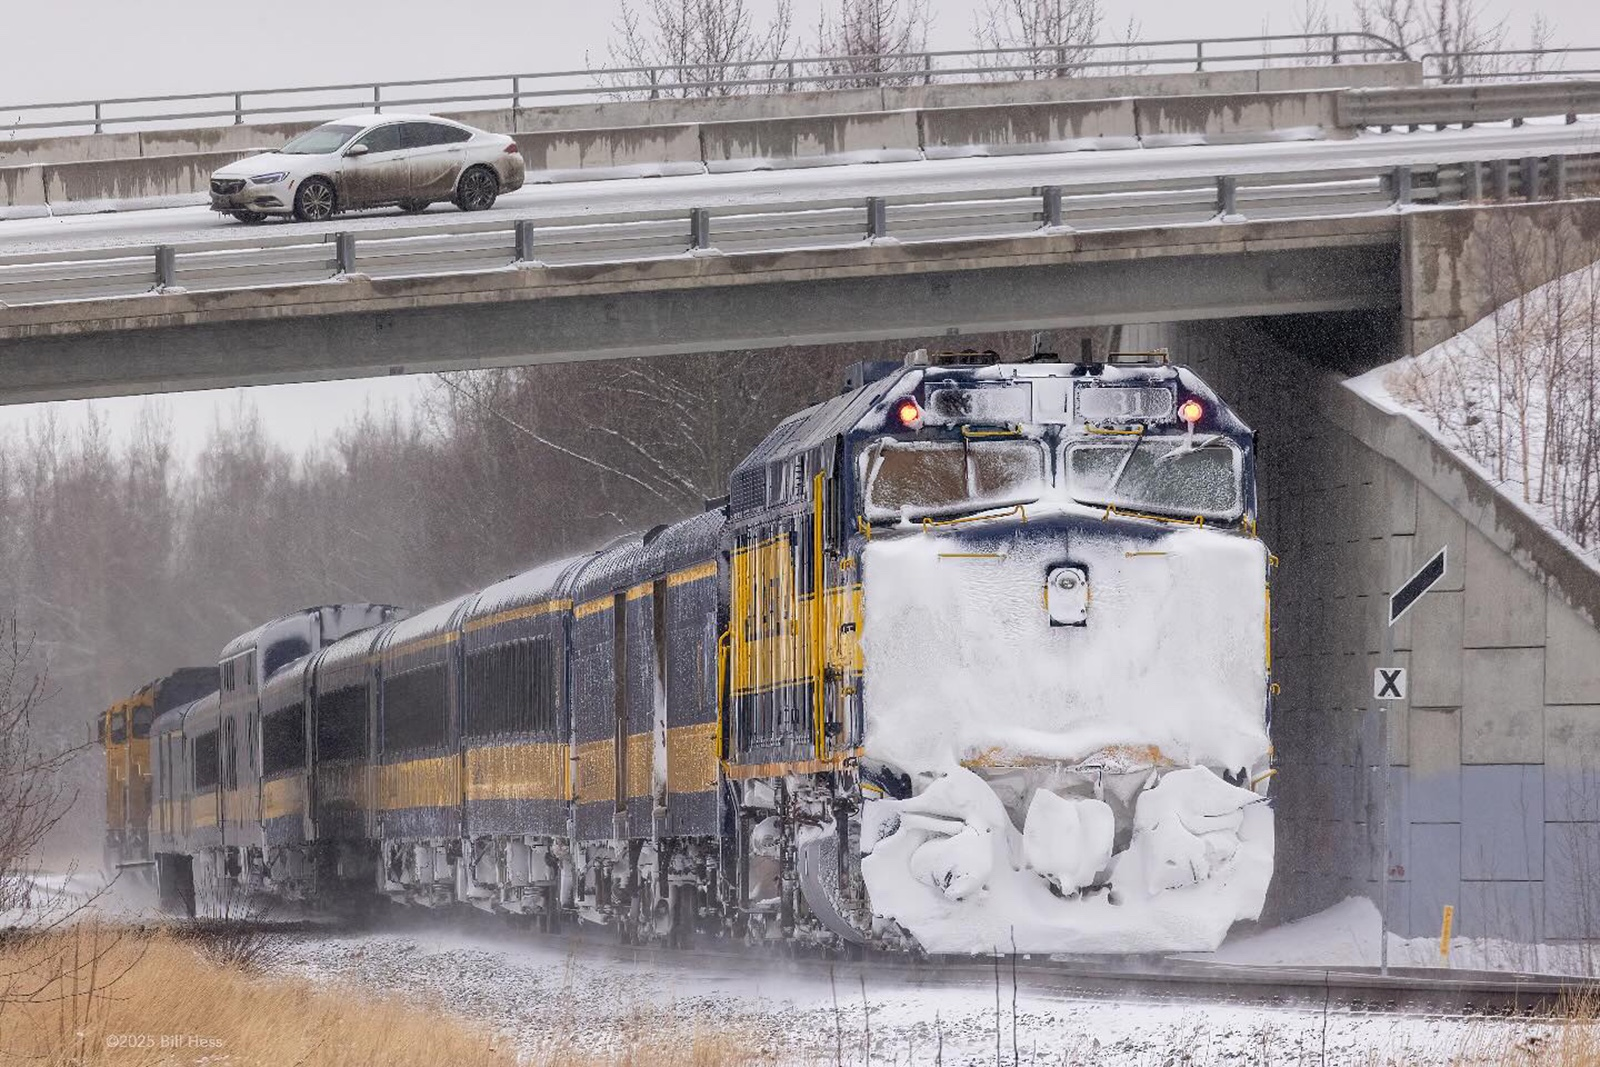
[357, 150]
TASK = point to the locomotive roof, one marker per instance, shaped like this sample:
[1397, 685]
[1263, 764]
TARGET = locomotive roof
[810, 427]
[171, 690]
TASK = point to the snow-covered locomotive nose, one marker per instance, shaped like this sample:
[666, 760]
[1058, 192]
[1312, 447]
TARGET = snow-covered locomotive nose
[1081, 753]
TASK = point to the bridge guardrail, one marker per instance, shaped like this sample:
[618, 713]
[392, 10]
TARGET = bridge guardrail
[497, 244]
[696, 80]
[1470, 103]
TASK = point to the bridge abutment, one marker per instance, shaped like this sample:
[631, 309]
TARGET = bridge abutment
[1493, 764]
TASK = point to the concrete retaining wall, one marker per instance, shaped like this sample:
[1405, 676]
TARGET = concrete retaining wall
[564, 155]
[1018, 128]
[1236, 117]
[811, 141]
[1494, 763]
[105, 185]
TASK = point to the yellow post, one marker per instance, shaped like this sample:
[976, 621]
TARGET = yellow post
[1444, 931]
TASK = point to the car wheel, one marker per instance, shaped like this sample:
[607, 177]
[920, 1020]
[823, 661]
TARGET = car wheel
[315, 200]
[250, 216]
[477, 189]
[412, 207]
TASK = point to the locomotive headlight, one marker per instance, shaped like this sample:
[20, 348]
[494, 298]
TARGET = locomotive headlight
[909, 414]
[1066, 596]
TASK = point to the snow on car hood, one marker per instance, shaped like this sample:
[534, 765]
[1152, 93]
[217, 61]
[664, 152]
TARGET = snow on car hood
[265, 163]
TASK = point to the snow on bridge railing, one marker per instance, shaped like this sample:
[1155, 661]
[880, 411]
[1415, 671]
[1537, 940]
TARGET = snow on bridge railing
[487, 92]
[496, 244]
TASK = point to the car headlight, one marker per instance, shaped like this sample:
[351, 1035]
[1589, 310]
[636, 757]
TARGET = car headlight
[269, 179]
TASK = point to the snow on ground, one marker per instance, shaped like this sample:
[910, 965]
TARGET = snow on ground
[1346, 935]
[1510, 396]
[538, 991]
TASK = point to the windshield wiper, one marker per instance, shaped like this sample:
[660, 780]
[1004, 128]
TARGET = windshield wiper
[1189, 446]
[1122, 468]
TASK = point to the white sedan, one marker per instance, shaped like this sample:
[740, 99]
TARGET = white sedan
[367, 161]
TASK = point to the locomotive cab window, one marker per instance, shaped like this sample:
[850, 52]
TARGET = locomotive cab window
[119, 727]
[914, 478]
[142, 718]
[1169, 476]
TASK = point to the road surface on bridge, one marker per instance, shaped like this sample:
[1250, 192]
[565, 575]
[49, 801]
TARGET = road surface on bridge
[1399, 148]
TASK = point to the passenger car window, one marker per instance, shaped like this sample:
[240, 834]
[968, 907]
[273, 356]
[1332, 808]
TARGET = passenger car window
[429, 134]
[382, 139]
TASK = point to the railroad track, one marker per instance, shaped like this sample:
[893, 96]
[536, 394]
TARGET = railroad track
[1347, 990]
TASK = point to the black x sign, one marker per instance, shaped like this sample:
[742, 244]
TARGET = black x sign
[1389, 683]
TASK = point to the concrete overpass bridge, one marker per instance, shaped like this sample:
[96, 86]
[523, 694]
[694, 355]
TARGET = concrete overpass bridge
[1274, 269]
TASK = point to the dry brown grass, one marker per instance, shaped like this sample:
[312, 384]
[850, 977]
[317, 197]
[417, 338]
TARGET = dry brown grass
[1570, 1037]
[102, 996]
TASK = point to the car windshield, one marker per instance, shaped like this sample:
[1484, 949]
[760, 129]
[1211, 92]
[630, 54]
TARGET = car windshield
[320, 141]
[912, 478]
[1172, 476]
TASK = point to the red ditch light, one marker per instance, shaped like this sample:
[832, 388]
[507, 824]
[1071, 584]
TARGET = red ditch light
[1190, 411]
[909, 414]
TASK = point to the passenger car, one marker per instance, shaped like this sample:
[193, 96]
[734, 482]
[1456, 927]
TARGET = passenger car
[367, 161]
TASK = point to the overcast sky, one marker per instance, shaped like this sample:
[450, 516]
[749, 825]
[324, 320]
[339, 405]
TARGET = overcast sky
[75, 49]
[68, 50]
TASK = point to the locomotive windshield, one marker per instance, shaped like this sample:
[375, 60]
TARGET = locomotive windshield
[933, 477]
[1169, 476]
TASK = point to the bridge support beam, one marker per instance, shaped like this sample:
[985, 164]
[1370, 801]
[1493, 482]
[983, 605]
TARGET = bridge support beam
[358, 326]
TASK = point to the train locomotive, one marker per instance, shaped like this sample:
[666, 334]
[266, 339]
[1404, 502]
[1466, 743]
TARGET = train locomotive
[974, 656]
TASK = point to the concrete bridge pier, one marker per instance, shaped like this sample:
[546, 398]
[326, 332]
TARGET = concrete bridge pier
[1494, 761]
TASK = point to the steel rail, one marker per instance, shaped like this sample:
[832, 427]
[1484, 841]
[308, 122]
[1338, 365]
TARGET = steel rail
[597, 238]
[1354, 990]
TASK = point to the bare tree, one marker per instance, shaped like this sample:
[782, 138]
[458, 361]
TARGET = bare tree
[692, 48]
[1458, 34]
[32, 798]
[1046, 38]
[873, 42]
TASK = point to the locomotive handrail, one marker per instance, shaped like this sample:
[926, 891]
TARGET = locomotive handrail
[969, 215]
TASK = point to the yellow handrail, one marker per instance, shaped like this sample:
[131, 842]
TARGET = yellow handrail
[724, 649]
[1112, 509]
[1137, 431]
[1019, 509]
[819, 600]
[1009, 431]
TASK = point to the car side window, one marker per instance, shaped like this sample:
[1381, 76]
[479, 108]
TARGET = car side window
[430, 134]
[382, 139]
